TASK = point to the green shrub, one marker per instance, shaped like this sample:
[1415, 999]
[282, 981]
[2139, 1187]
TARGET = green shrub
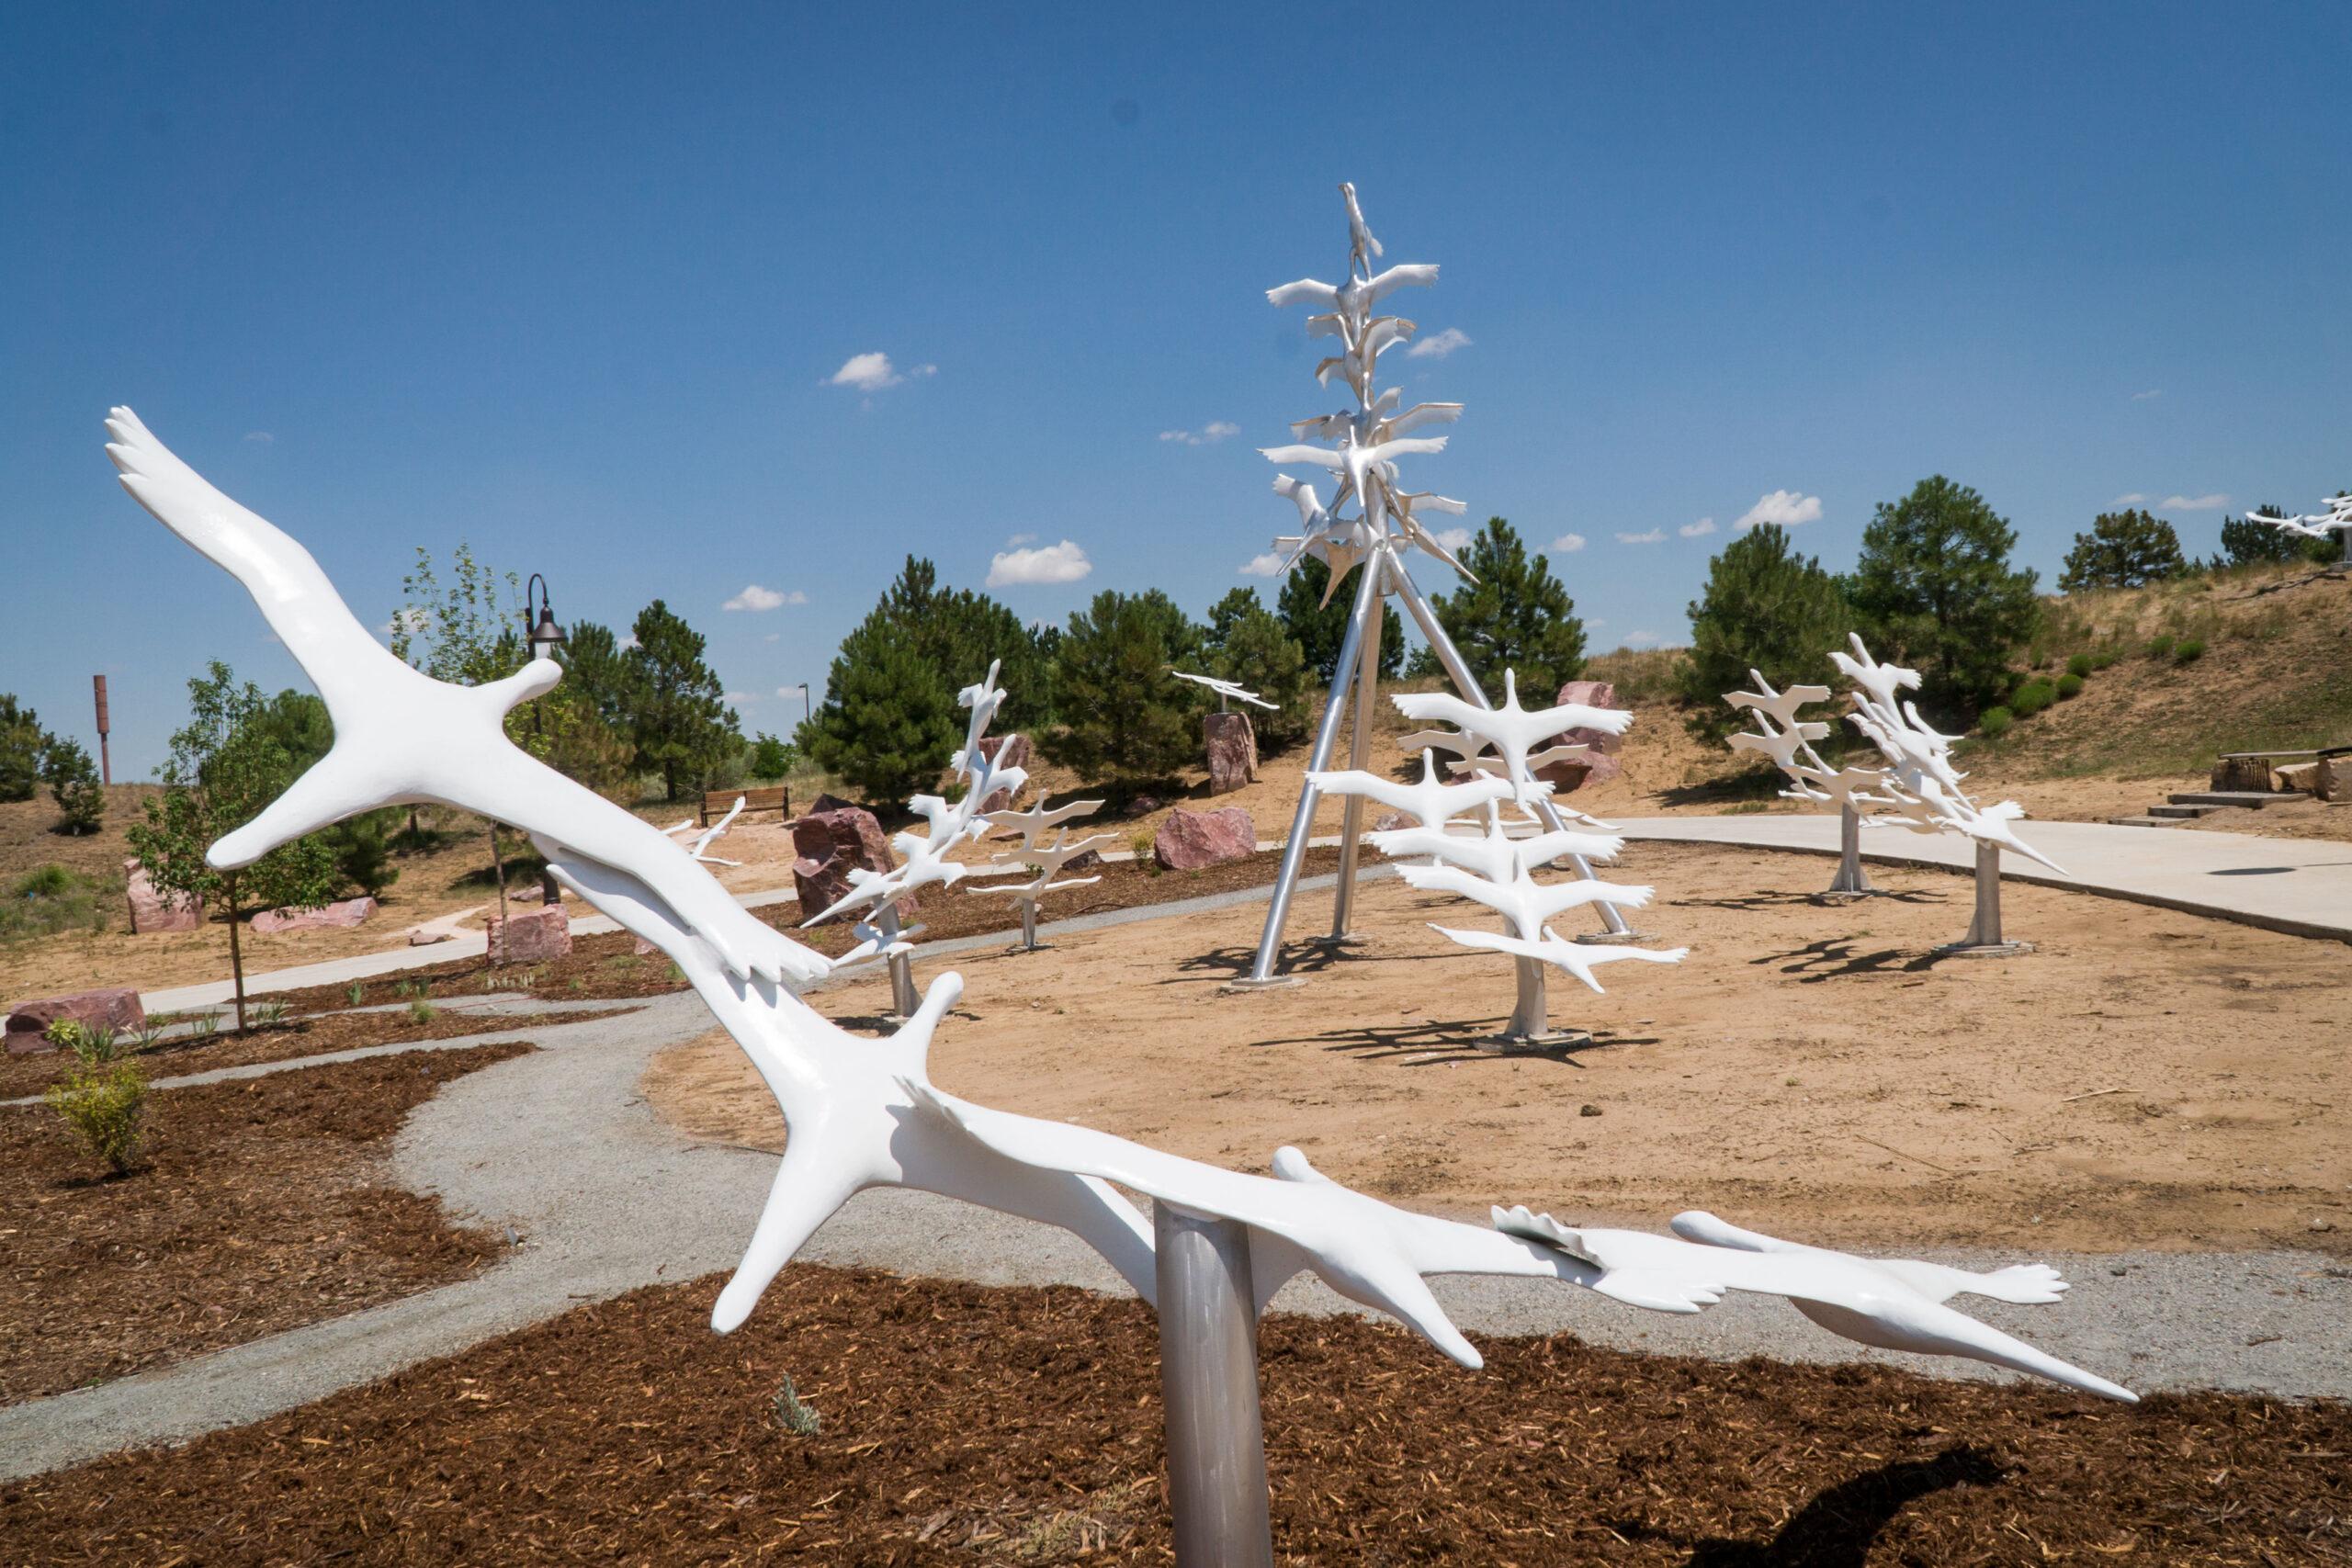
[104, 1104]
[2080, 666]
[1993, 722]
[2187, 649]
[65, 1033]
[2160, 647]
[2069, 685]
[51, 899]
[2031, 698]
[2105, 656]
[420, 1011]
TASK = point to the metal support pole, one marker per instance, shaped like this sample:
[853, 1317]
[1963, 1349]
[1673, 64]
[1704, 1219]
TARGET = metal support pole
[1984, 939]
[904, 1000]
[1028, 925]
[1851, 881]
[1360, 749]
[1208, 1385]
[1262, 969]
[1531, 1012]
[1613, 924]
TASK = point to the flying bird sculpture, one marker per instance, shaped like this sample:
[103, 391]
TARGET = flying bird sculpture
[1226, 690]
[1514, 731]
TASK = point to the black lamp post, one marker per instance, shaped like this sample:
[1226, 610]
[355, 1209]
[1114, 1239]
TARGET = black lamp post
[544, 637]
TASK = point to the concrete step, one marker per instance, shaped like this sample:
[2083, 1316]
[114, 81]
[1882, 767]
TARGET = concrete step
[2187, 813]
[2257, 798]
[2145, 822]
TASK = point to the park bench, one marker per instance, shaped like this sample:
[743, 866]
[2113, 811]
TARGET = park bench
[718, 802]
[2249, 771]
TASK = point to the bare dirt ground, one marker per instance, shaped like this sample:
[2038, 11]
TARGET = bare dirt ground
[2145, 1080]
[969, 1426]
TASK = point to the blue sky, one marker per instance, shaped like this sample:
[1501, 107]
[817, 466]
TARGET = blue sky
[574, 283]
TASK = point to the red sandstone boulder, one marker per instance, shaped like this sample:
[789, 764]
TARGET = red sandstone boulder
[1232, 751]
[1003, 751]
[827, 845]
[1189, 840]
[115, 1007]
[530, 939]
[340, 916]
[1597, 766]
[152, 911]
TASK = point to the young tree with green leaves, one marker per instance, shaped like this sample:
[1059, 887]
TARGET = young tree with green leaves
[1248, 644]
[2123, 550]
[360, 846]
[770, 758]
[1125, 715]
[73, 780]
[22, 740]
[1765, 608]
[1933, 590]
[225, 767]
[1319, 628]
[682, 725]
[1517, 616]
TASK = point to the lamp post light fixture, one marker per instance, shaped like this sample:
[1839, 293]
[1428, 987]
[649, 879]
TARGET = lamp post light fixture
[544, 637]
[807, 712]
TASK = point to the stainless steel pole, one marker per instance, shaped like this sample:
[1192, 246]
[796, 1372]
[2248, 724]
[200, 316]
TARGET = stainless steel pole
[1852, 877]
[1209, 1386]
[1458, 671]
[1359, 749]
[1262, 969]
[1985, 930]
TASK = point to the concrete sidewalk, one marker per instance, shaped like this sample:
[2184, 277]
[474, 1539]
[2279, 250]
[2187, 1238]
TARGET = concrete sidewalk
[2302, 887]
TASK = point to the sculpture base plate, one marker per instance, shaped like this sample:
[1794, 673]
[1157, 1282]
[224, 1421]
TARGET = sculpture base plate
[1983, 950]
[1342, 939]
[1834, 897]
[1271, 983]
[1029, 947]
[1532, 1045]
[1611, 939]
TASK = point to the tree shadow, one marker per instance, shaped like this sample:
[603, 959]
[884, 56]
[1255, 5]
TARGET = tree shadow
[1838, 1527]
[1434, 1041]
[1831, 960]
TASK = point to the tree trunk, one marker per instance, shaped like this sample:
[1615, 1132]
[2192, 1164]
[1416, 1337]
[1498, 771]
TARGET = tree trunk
[236, 955]
[498, 868]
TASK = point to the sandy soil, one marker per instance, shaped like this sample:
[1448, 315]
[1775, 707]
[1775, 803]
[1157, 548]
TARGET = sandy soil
[2145, 1080]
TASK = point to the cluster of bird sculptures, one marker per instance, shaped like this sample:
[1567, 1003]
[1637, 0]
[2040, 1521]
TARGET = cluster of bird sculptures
[862, 1111]
[2337, 519]
[1039, 858]
[1500, 747]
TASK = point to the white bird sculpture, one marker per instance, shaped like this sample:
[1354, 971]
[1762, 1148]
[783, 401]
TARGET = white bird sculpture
[1527, 904]
[1226, 689]
[2314, 525]
[1361, 246]
[1576, 958]
[1491, 854]
[1514, 731]
[1356, 297]
[1893, 1304]
[1431, 801]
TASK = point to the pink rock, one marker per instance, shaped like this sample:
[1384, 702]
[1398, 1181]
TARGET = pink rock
[1141, 806]
[1391, 821]
[827, 845]
[423, 938]
[340, 916]
[1188, 840]
[152, 911]
[1232, 751]
[1084, 861]
[1600, 764]
[1003, 751]
[532, 938]
[115, 1007]
[641, 947]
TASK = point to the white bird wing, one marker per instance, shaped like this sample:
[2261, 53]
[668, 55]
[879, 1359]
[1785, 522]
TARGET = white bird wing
[1546, 848]
[1552, 899]
[1326, 455]
[1455, 849]
[1306, 291]
[1403, 446]
[300, 604]
[1372, 787]
[1576, 958]
[1444, 708]
[1578, 715]
[1411, 274]
[1419, 414]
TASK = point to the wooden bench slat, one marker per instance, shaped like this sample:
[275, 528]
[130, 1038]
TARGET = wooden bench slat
[775, 798]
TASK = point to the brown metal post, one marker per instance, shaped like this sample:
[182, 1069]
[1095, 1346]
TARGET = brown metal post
[106, 763]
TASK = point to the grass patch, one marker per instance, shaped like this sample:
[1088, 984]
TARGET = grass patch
[51, 899]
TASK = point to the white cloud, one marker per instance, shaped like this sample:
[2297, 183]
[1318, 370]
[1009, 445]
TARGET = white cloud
[1655, 536]
[770, 636]
[2134, 499]
[1267, 565]
[1455, 539]
[2216, 501]
[755, 597]
[738, 698]
[1785, 507]
[1699, 530]
[1018, 540]
[1065, 562]
[260, 437]
[1437, 345]
[872, 372]
[1641, 640]
[1208, 434]
[1568, 544]
[2150, 393]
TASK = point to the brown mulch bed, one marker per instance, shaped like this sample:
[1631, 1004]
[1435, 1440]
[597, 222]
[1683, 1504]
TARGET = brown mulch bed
[607, 966]
[21, 1076]
[255, 1208]
[966, 1425]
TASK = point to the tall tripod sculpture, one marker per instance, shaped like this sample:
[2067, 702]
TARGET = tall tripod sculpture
[1362, 462]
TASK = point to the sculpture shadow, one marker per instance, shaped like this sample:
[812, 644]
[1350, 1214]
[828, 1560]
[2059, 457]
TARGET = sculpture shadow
[1297, 958]
[1833, 959]
[1838, 1527]
[1438, 1042]
[1775, 900]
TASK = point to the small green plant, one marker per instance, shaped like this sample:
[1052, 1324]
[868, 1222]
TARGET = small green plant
[2188, 650]
[147, 1036]
[420, 1011]
[2105, 656]
[2031, 698]
[203, 1025]
[577, 984]
[2160, 647]
[51, 899]
[2069, 685]
[65, 1033]
[1993, 723]
[2080, 666]
[409, 988]
[677, 975]
[353, 992]
[270, 1015]
[794, 1415]
[103, 1103]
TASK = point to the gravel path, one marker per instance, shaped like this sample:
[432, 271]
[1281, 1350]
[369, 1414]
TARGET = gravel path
[557, 1145]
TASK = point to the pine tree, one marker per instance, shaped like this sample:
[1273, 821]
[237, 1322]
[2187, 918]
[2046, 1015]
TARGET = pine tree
[225, 766]
[2248, 542]
[1123, 715]
[73, 780]
[680, 721]
[1517, 616]
[1765, 608]
[21, 743]
[1319, 628]
[1934, 588]
[1246, 643]
[889, 719]
[2123, 550]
